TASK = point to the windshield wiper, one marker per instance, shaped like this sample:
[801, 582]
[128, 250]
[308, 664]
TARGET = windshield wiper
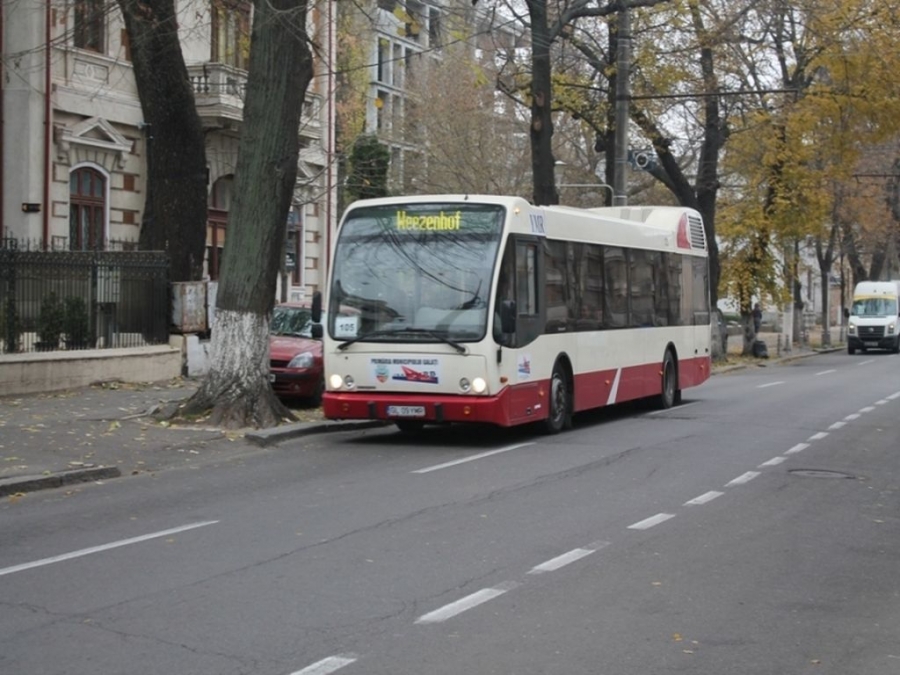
[402, 331]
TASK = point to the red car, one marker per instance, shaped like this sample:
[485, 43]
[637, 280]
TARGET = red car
[296, 370]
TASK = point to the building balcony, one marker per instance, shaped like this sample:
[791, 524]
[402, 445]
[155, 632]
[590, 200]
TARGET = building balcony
[219, 92]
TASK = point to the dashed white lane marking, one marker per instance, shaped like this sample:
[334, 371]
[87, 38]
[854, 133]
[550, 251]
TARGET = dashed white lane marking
[567, 558]
[862, 363]
[468, 602]
[743, 478]
[868, 408]
[769, 384]
[826, 372]
[647, 523]
[104, 547]
[894, 395]
[852, 416]
[881, 402]
[800, 447]
[704, 498]
[472, 458]
[837, 425]
[818, 437]
[775, 461]
[327, 665]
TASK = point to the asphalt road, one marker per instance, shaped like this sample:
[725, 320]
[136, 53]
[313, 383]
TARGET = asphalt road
[754, 529]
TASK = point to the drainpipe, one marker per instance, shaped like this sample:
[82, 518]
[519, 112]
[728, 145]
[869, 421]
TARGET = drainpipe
[330, 150]
[48, 130]
[2, 115]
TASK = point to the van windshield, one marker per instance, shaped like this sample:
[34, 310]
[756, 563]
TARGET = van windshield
[874, 307]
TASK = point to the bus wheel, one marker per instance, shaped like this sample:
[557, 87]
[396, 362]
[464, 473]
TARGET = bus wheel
[560, 413]
[410, 426]
[671, 394]
[851, 349]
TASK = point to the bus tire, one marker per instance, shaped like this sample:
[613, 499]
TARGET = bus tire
[559, 403]
[410, 426]
[896, 348]
[671, 394]
[851, 349]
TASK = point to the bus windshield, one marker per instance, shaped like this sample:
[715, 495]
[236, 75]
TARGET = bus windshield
[414, 272]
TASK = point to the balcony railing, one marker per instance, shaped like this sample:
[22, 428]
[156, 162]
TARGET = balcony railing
[220, 89]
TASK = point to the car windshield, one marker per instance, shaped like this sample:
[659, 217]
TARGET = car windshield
[294, 321]
[874, 307]
[417, 272]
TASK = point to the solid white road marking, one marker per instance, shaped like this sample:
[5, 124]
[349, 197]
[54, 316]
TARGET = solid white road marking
[472, 458]
[704, 498]
[773, 462]
[797, 448]
[327, 665]
[769, 384]
[743, 478]
[566, 558]
[651, 521]
[466, 603]
[103, 547]
[818, 437]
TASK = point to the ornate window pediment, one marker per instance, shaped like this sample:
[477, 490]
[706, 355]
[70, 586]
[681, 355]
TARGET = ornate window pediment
[94, 139]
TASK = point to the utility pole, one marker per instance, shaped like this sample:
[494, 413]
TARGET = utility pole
[623, 71]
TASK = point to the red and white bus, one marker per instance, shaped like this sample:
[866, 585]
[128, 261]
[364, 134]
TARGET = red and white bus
[489, 309]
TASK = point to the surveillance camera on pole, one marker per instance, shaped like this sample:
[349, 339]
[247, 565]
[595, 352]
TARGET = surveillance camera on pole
[642, 160]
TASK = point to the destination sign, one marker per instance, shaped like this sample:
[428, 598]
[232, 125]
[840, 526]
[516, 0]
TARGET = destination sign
[429, 221]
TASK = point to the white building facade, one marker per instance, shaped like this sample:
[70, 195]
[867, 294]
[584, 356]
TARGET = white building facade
[74, 147]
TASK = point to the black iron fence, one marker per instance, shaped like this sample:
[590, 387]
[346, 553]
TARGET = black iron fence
[63, 300]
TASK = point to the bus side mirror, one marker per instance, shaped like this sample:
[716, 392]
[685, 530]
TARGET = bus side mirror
[508, 316]
[316, 313]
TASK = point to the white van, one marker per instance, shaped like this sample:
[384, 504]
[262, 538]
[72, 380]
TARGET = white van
[873, 317]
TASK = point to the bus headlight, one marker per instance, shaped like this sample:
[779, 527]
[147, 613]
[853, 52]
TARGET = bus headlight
[464, 385]
[851, 329]
[479, 385]
[336, 381]
[890, 329]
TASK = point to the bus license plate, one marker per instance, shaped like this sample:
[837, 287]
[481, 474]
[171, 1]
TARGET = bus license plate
[871, 343]
[406, 411]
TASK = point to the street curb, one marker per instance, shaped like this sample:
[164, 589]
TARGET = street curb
[776, 361]
[266, 437]
[21, 484]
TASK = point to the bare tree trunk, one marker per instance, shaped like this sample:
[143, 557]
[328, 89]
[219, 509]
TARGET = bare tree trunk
[237, 387]
[174, 218]
[542, 163]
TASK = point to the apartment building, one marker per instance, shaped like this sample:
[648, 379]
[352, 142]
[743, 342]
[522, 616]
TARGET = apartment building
[75, 147]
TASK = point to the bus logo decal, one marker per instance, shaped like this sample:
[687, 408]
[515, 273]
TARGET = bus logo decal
[408, 374]
[524, 366]
[382, 373]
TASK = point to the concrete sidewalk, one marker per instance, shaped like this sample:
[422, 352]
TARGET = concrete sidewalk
[107, 430]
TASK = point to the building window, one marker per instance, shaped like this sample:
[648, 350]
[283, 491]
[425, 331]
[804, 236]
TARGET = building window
[216, 222]
[90, 24]
[231, 33]
[87, 210]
